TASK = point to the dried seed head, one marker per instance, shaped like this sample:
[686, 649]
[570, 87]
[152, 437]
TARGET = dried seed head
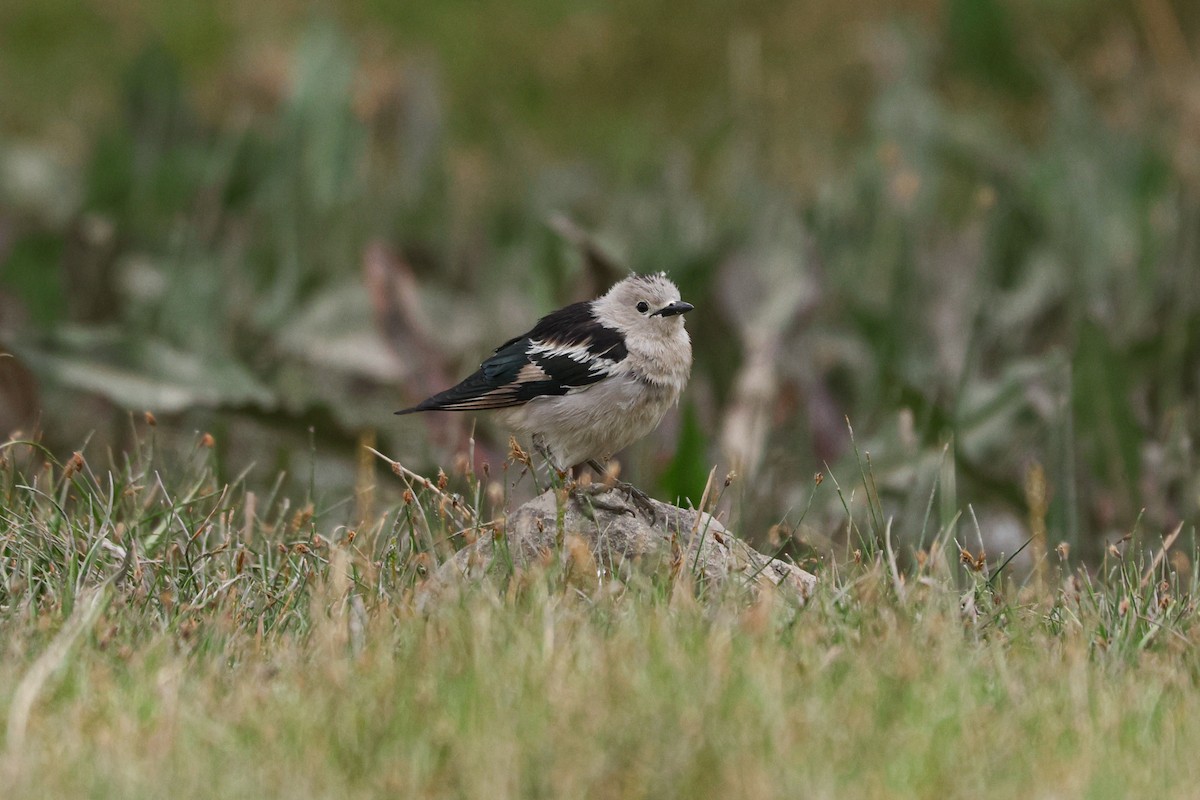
[74, 465]
[442, 480]
[1063, 549]
[515, 453]
[818, 478]
[975, 563]
[302, 517]
[408, 497]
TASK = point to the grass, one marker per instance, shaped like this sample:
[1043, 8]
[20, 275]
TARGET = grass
[164, 633]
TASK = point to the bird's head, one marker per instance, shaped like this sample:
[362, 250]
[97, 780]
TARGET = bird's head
[643, 305]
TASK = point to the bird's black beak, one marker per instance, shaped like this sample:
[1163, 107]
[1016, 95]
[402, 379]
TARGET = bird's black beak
[678, 307]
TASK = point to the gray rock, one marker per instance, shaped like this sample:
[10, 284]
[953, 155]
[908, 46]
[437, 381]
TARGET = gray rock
[607, 541]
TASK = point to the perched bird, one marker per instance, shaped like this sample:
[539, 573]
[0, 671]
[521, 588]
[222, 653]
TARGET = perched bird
[588, 379]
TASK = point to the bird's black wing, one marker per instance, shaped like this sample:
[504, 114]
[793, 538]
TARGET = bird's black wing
[567, 350]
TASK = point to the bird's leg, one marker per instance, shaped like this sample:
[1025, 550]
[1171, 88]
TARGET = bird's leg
[543, 450]
[640, 498]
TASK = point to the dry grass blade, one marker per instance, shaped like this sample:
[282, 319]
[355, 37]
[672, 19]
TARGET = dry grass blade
[87, 609]
[453, 502]
[893, 567]
[704, 497]
[1158, 557]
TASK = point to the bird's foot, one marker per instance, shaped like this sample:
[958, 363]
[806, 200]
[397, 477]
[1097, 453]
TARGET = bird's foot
[638, 498]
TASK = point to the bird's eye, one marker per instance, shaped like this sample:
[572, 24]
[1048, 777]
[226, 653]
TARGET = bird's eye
[643, 306]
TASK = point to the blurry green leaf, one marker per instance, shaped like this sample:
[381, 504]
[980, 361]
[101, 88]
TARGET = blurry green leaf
[155, 103]
[321, 140]
[309, 199]
[197, 307]
[110, 175]
[333, 357]
[993, 413]
[152, 168]
[32, 272]
[249, 166]
[688, 471]
[983, 44]
[1109, 434]
[141, 375]
[337, 331]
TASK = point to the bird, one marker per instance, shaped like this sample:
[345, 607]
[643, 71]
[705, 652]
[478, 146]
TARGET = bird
[588, 379]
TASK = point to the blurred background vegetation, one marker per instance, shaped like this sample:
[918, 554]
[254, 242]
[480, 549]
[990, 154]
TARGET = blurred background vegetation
[971, 227]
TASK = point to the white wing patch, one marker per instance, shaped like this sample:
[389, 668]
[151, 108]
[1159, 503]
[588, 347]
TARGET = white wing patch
[580, 353]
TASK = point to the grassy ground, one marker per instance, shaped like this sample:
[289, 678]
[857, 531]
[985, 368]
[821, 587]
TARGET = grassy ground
[165, 634]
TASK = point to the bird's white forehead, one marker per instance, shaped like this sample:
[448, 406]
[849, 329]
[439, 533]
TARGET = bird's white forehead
[653, 288]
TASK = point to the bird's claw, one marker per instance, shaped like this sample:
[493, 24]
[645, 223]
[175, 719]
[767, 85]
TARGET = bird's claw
[636, 495]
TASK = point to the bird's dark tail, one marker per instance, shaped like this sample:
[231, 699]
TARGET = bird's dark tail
[413, 409]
